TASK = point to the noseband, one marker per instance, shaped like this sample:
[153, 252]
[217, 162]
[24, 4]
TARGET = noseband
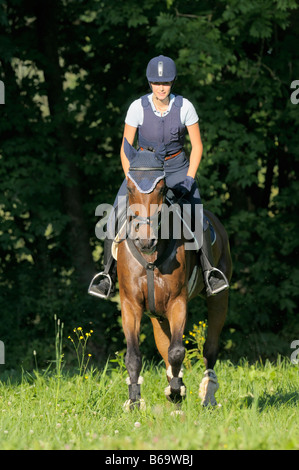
[150, 220]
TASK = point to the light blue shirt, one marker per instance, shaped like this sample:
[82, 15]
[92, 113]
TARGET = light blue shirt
[134, 115]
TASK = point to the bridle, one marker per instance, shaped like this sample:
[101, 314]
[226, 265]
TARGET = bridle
[152, 220]
[150, 266]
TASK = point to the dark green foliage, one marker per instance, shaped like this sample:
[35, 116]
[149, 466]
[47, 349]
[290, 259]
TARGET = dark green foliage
[70, 70]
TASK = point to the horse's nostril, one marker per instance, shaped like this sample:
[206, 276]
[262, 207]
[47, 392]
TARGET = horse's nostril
[146, 245]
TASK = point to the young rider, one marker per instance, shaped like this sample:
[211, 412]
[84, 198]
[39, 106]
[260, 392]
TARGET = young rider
[162, 118]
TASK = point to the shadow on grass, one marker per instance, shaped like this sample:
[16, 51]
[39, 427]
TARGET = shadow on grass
[267, 400]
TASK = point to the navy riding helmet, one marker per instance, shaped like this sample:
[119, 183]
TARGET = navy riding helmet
[161, 69]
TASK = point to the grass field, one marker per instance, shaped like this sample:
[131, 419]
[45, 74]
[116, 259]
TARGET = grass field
[257, 409]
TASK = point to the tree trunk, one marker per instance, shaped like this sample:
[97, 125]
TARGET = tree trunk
[47, 13]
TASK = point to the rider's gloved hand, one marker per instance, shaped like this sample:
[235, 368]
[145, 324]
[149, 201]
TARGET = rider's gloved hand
[185, 186]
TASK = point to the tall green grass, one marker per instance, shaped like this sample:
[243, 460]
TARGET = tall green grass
[257, 409]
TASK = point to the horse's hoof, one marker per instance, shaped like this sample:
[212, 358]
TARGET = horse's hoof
[142, 405]
[175, 396]
[176, 390]
[208, 387]
[129, 405]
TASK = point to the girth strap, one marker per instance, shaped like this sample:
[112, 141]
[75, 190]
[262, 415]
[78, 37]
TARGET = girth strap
[150, 267]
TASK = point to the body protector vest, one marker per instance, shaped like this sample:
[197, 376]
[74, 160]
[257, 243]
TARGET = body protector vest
[157, 131]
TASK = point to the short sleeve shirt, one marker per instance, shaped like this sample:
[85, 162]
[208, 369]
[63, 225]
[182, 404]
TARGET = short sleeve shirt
[134, 115]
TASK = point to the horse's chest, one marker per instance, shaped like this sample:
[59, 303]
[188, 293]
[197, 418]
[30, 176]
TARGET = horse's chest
[166, 288]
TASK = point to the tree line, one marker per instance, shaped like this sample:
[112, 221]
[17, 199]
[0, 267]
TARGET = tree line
[70, 70]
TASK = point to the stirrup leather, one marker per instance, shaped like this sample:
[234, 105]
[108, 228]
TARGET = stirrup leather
[222, 277]
[92, 284]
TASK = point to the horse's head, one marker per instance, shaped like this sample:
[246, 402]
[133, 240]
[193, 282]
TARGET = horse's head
[146, 191]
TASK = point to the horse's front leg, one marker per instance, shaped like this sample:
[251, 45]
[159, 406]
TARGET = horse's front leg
[217, 309]
[131, 318]
[176, 314]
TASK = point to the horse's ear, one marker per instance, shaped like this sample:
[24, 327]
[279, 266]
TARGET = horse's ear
[129, 150]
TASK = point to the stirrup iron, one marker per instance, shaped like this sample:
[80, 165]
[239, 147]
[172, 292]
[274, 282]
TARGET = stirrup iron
[222, 277]
[92, 284]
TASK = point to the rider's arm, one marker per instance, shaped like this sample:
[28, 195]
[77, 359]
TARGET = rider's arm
[129, 134]
[196, 149]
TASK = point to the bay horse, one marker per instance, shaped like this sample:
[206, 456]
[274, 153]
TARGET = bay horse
[153, 275]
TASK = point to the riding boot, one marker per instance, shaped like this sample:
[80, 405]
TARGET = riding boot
[106, 287]
[214, 279]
